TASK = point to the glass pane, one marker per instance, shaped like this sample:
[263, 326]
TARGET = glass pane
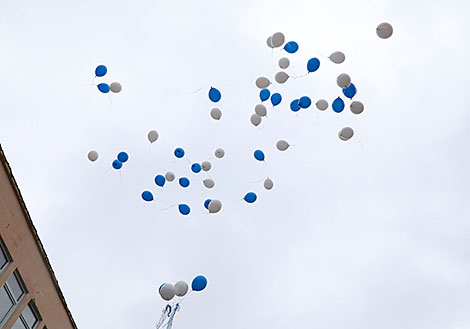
[5, 303]
[3, 259]
[15, 286]
[29, 316]
[19, 324]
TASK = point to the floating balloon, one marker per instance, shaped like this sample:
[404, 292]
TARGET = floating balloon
[215, 206]
[338, 105]
[216, 113]
[250, 197]
[160, 180]
[269, 42]
[291, 47]
[199, 283]
[219, 153]
[147, 196]
[92, 156]
[167, 291]
[313, 64]
[117, 164]
[282, 145]
[123, 157]
[343, 80]
[350, 92]
[103, 87]
[384, 30]
[152, 136]
[305, 102]
[196, 168]
[284, 63]
[115, 87]
[206, 203]
[356, 107]
[179, 152]
[184, 209]
[268, 184]
[101, 71]
[277, 39]
[209, 183]
[260, 110]
[276, 99]
[322, 104]
[169, 176]
[184, 182]
[181, 288]
[264, 94]
[346, 133]
[214, 95]
[255, 119]
[206, 165]
[294, 105]
[337, 57]
[262, 83]
[259, 155]
[281, 77]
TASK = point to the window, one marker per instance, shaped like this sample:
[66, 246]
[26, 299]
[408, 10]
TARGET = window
[11, 294]
[29, 318]
[5, 258]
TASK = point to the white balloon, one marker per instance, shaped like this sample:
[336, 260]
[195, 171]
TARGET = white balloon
[92, 156]
[343, 80]
[269, 42]
[337, 57]
[284, 63]
[255, 120]
[167, 292]
[282, 145]
[152, 136]
[384, 30]
[209, 183]
[215, 206]
[115, 87]
[262, 82]
[260, 110]
[181, 288]
[322, 104]
[206, 165]
[346, 133]
[268, 183]
[219, 153]
[277, 39]
[281, 77]
[169, 176]
[356, 107]
[216, 113]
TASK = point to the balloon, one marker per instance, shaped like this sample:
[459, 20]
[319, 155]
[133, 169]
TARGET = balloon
[117, 164]
[123, 157]
[291, 47]
[103, 87]
[313, 64]
[384, 30]
[214, 95]
[338, 105]
[160, 289]
[294, 105]
[281, 77]
[356, 107]
[268, 183]
[209, 183]
[343, 80]
[255, 119]
[337, 57]
[260, 110]
[206, 203]
[147, 196]
[259, 155]
[350, 92]
[115, 87]
[199, 283]
[284, 63]
[184, 182]
[179, 152]
[101, 70]
[264, 94]
[346, 133]
[322, 104]
[219, 153]
[262, 83]
[206, 166]
[276, 99]
[196, 168]
[181, 288]
[215, 206]
[282, 145]
[92, 156]
[277, 39]
[269, 42]
[184, 209]
[305, 102]
[216, 113]
[160, 180]
[152, 136]
[167, 291]
[250, 197]
[169, 176]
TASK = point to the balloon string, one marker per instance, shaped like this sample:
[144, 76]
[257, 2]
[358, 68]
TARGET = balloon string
[102, 176]
[361, 145]
[198, 90]
[300, 76]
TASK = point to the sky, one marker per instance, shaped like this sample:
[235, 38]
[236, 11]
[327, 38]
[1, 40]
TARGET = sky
[369, 233]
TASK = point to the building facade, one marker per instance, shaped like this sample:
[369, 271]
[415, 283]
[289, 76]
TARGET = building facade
[30, 296]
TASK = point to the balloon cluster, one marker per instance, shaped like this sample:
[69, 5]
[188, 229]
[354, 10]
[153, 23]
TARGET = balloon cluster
[114, 87]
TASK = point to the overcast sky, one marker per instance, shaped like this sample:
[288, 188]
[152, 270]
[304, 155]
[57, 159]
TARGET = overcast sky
[365, 234]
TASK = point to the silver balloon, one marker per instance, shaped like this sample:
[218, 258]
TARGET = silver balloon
[214, 206]
[343, 80]
[284, 63]
[337, 57]
[115, 87]
[181, 288]
[152, 136]
[169, 176]
[321, 104]
[346, 133]
[167, 291]
[92, 156]
[206, 165]
[262, 82]
[269, 42]
[281, 77]
[277, 39]
[260, 110]
[209, 183]
[219, 153]
[384, 30]
[356, 107]
[282, 145]
[216, 113]
[268, 183]
[255, 119]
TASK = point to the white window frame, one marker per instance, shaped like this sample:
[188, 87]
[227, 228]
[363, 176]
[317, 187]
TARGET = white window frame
[12, 298]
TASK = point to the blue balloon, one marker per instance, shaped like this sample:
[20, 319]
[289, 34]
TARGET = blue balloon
[117, 164]
[294, 105]
[305, 102]
[276, 98]
[206, 203]
[184, 182]
[147, 196]
[199, 283]
[196, 168]
[259, 155]
[313, 64]
[123, 157]
[264, 94]
[179, 152]
[160, 180]
[291, 47]
[184, 209]
[350, 91]
[338, 105]
[250, 197]
[101, 71]
[214, 95]
[104, 88]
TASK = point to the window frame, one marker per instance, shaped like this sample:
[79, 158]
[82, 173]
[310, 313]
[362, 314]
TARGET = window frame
[34, 309]
[8, 257]
[16, 303]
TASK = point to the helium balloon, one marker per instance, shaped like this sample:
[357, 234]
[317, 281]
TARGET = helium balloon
[147, 196]
[291, 47]
[206, 166]
[350, 92]
[152, 136]
[255, 119]
[260, 110]
[184, 182]
[356, 107]
[384, 30]
[343, 80]
[313, 64]
[282, 145]
[269, 42]
[92, 156]
[281, 77]
[268, 184]
[276, 99]
[262, 83]
[115, 87]
[337, 57]
[117, 164]
[167, 291]
[179, 152]
[123, 157]
[184, 209]
[264, 94]
[250, 197]
[215, 206]
[181, 288]
[169, 176]
[305, 102]
[196, 168]
[103, 87]
[294, 105]
[338, 105]
[199, 283]
[160, 180]
[206, 203]
[321, 104]
[346, 133]
[277, 39]
[284, 63]
[219, 153]
[216, 113]
[259, 155]
[209, 183]
[214, 95]
[101, 71]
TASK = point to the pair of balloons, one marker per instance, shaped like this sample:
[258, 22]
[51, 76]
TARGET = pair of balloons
[276, 40]
[114, 87]
[121, 158]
